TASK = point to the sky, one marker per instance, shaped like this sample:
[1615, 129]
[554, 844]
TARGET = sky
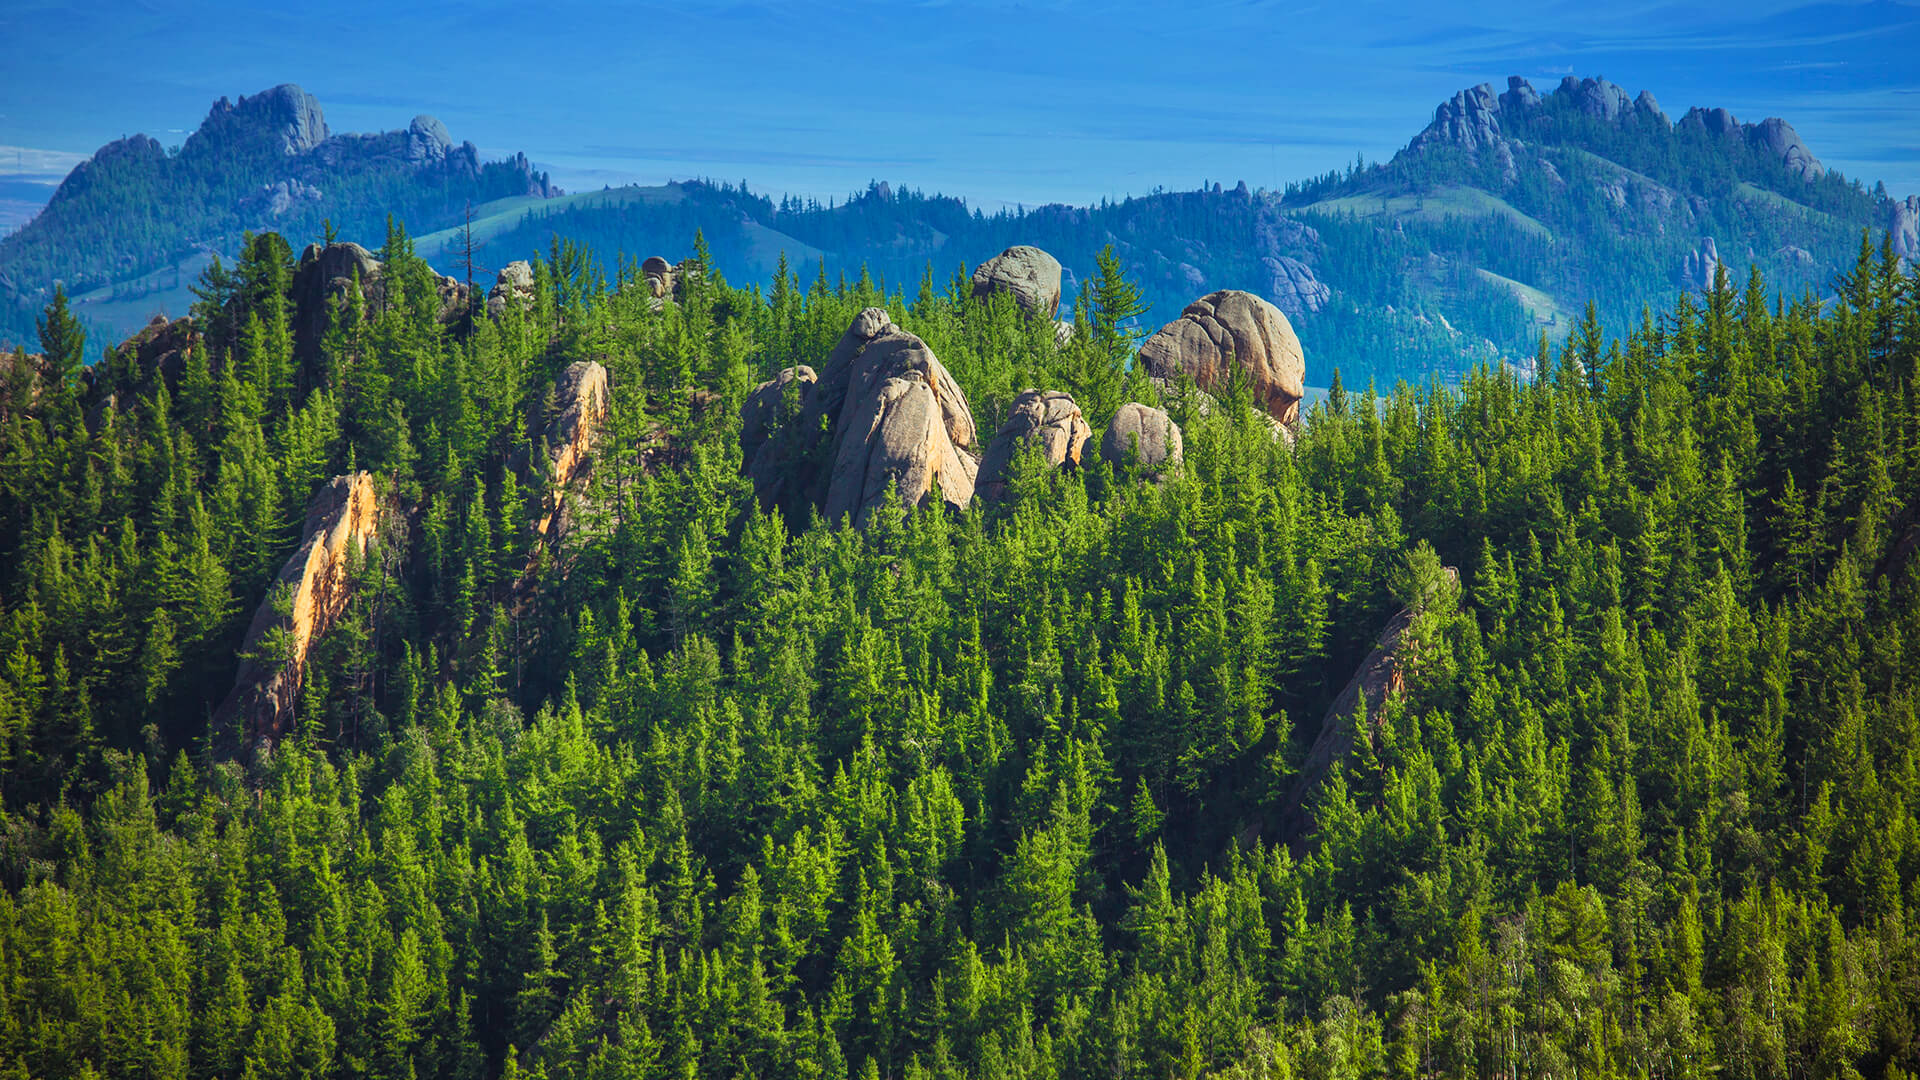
[1003, 103]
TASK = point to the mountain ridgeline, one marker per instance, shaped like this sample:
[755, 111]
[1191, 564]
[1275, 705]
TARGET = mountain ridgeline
[132, 225]
[648, 677]
[1496, 225]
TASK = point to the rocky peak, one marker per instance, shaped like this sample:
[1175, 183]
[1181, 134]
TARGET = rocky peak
[1596, 97]
[427, 140]
[1469, 120]
[1717, 122]
[1520, 94]
[286, 114]
[1647, 105]
[1776, 138]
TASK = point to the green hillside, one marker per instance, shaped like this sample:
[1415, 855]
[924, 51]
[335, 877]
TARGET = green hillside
[403, 713]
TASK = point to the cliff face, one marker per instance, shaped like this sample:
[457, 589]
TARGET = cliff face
[343, 518]
[580, 394]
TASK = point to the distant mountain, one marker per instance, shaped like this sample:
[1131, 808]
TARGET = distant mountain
[128, 229]
[1495, 225]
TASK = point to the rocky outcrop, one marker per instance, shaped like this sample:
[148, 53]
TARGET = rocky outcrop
[1382, 675]
[324, 275]
[1698, 269]
[286, 116]
[883, 412]
[159, 351]
[514, 284]
[1469, 120]
[1032, 277]
[1903, 227]
[1597, 98]
[428, 142]
[1143, 437]
[1776, 138]
[280, 197]
[327, 274]
[306, 600]
[658, 274]
[1294, 289]
[1772, 138]
[1046, 420]
[580, 411]
[1226, 330]
[766, 407]
[896, 438]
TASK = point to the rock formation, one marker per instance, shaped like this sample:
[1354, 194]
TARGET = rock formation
[1031, 275]
[1046, 419]
[1382, 675]
[659, 275]
[342, 519]
[428, 141]
[1142, 436]
[286, 115]
[883, 411]
[765, 408]
[323, 275]
[1697, 271]
[580, 411]
[1294, 290]
[1228, 329]
[1777, 139]
[515, 282]
[1904, 228]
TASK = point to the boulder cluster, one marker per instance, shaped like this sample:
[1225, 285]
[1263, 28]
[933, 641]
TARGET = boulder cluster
[882, 417]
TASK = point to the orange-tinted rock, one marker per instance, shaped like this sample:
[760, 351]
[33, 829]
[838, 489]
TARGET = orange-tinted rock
[342, 519]
[580, 401]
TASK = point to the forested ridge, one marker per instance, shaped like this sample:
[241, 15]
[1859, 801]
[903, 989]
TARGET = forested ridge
[680, 787]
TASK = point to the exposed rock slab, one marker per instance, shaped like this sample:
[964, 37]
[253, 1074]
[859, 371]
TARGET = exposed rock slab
[1233, 329]
[1045, 419]
[342, 519]
[1031, 275]
[580, 402]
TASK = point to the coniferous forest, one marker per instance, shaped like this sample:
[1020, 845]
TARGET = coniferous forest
[602, 770]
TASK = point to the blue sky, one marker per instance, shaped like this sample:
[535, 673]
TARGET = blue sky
[1003, 103]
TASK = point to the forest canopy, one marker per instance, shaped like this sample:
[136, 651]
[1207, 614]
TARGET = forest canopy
[663, 784]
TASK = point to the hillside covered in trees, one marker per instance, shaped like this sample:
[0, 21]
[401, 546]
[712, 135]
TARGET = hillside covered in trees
[425, 692]
[128, 230]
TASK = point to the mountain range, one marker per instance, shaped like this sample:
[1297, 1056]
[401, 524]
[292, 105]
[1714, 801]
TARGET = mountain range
[130, 228]
[1495, 226]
